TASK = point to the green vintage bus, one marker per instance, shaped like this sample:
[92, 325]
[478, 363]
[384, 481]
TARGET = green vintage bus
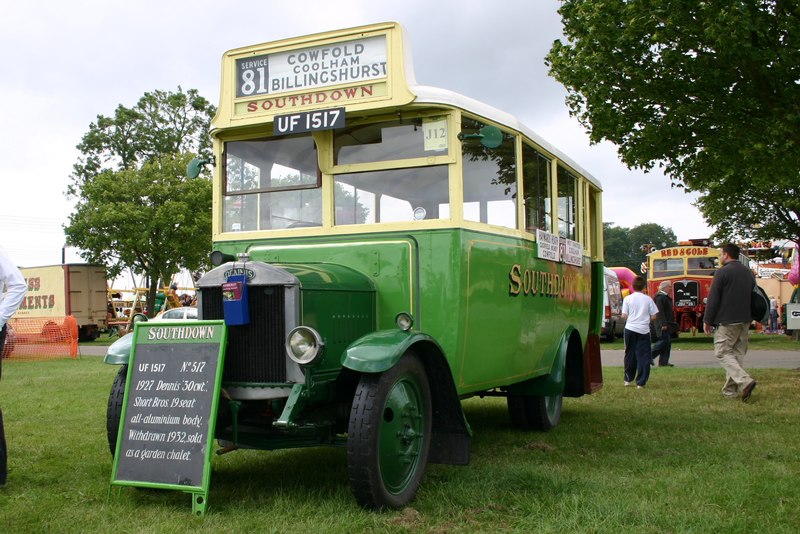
[404, 248]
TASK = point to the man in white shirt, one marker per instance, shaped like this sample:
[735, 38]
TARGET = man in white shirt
[12, 291]
[638, 310]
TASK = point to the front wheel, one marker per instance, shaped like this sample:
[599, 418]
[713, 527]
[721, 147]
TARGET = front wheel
[530, 412]
[114, 412]
[389, 435]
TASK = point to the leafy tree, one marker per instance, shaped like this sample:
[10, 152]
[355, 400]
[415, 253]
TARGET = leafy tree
[134, 207]
[623, 246]
[709, 91]
[616, 249]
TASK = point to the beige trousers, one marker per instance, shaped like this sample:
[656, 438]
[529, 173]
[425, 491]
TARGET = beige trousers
[730, 348]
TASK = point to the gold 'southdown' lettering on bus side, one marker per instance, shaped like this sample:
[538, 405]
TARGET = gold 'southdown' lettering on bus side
[542, 283]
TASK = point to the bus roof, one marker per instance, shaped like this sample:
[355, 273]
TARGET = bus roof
[397, 88]
[426, 94]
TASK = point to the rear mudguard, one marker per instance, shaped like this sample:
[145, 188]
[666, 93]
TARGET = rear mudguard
[553, 382]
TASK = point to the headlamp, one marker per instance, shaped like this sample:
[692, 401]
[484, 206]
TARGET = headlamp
[404, 321]
[304, 345]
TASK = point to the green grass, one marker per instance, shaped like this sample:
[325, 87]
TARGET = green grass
[675, 457]
[700, 341]
[103, 341]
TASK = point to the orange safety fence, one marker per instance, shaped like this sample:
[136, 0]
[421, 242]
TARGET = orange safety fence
[39, 338]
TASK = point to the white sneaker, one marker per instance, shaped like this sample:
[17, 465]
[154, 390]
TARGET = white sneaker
[639, 387]
[627, 383]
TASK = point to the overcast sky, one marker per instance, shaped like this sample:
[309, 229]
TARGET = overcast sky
[63, 63]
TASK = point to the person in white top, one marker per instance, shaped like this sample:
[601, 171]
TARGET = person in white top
[12, 291]
[773, 315]
[638, 310]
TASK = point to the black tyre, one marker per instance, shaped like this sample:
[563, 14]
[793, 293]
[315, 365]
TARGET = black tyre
[389, 435]
[115, 400]
[528, 412]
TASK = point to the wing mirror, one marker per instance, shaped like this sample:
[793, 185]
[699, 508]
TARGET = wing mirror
[490, 136]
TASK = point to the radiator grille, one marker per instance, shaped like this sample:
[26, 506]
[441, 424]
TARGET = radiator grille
[256, 351]
[687, 293]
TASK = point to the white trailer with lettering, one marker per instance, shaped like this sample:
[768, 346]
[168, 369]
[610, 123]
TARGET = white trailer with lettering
[55, 291]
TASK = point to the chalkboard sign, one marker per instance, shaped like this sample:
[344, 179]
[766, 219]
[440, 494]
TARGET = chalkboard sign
[170, 407]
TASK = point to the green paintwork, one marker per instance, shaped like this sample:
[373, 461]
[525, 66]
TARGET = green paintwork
[401, 436]
[379, 351]
[388, 262]
[178, 332]
[553, 382]
[597, 313]
[329, 276]
[294, 404]
[119, 352]
[337, 302]
[457, 285]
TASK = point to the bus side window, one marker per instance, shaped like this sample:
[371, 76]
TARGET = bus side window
[405, 192]
[567, 204]
[382, 141]
[536, 190]
[391, 195]
[490, 179]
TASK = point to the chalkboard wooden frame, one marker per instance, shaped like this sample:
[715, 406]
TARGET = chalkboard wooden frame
[170, 406]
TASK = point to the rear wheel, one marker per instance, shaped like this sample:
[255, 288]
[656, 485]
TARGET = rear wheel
[529, 412]
[389, 435]
[114, 412]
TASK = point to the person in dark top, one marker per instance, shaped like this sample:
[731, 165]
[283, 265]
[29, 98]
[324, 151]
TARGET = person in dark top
[665, 324]
[728, 310]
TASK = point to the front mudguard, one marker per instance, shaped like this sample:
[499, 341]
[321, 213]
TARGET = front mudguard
[119, 352]
[379, 351]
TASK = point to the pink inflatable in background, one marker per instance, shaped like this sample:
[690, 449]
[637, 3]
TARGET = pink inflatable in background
[626, 277]
[794, 272]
